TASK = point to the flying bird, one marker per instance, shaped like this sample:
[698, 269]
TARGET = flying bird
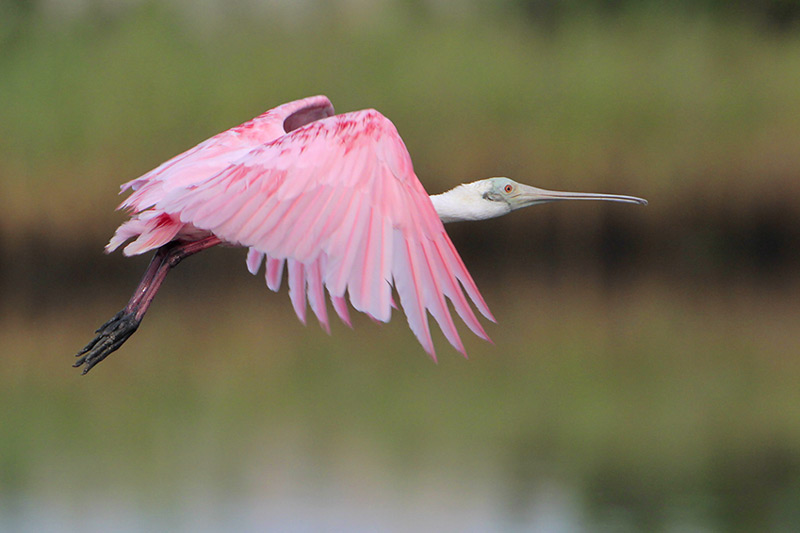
[330, 199]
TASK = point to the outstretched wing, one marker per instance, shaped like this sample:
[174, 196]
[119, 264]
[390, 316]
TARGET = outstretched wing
[222, 150]
[337, 200]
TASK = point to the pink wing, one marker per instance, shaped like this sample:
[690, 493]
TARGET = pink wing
[200, 163]
[337, 200]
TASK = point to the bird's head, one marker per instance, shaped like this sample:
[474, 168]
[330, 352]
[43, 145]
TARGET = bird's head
[494, 197]
[518, 195]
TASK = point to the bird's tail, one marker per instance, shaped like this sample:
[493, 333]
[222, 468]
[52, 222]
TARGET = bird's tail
[150, 229]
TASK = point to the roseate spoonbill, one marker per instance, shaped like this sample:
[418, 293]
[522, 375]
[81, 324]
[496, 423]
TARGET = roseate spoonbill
[334, 199]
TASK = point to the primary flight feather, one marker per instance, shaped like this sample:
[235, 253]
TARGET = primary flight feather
[331, 199]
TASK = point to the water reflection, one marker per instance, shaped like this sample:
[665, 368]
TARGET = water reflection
[293, 498]
[305, 504]
[583, 418]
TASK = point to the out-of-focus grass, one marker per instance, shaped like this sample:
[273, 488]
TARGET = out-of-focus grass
[673, 104]
[648, 391]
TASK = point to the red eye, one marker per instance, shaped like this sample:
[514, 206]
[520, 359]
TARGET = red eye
[508, 188]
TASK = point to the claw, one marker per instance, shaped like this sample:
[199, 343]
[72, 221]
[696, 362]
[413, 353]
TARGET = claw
[110, 336]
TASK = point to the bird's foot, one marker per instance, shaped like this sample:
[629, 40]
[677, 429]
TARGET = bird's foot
[110, 336]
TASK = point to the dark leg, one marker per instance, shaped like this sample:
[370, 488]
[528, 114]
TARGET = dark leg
[116, 331]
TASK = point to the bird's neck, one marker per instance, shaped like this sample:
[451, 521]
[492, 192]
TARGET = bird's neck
[466, 202]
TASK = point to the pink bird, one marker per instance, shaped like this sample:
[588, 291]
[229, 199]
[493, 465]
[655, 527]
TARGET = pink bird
[331, 199]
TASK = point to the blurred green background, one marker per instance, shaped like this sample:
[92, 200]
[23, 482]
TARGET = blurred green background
[644, 374]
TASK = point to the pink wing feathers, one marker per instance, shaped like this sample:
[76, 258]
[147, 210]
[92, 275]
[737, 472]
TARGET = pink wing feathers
[197, 164]
[337, 201]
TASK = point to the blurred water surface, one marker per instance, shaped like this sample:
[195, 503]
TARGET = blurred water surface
[635, 410]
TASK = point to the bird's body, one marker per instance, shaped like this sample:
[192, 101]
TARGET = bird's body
[333, 200]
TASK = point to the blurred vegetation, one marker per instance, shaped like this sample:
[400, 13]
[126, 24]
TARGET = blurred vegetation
[697, 113]
[646, 356]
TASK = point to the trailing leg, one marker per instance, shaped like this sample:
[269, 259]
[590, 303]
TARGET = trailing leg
[113, 334]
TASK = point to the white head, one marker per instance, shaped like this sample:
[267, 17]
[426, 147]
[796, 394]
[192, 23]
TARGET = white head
[495, 197]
